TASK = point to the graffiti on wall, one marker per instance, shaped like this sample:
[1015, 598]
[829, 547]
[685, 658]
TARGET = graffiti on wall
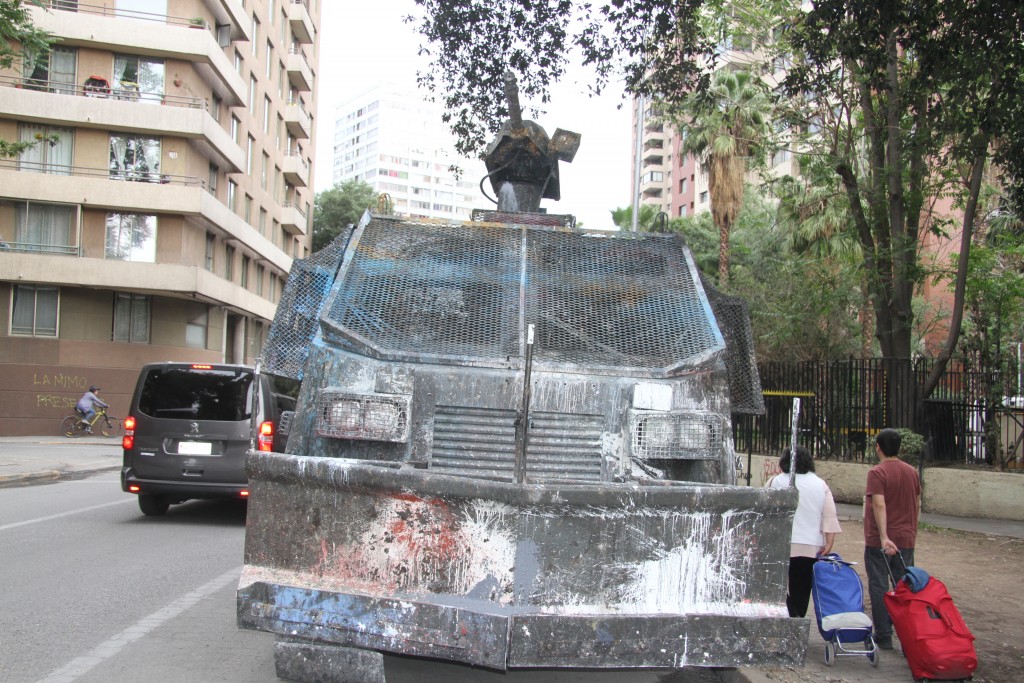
[47, 385]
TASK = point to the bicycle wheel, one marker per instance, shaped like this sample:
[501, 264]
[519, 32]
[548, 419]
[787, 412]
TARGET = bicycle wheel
[111, 426]
[70, 427]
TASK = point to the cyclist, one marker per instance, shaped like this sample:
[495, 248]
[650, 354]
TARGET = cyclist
[87, 405]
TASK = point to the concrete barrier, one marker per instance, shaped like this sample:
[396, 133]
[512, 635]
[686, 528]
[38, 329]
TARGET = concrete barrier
[947, 491]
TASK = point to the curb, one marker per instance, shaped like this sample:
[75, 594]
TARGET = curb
[28, 477]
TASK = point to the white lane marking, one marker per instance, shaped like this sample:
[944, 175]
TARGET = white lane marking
[14, 525]
[80, 666]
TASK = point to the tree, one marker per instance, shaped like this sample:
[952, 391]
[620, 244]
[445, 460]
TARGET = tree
[17, 35]
[800, 308]
[622, 218]
[921, 97]
[995, 318]
[339, 207]
[723, 127]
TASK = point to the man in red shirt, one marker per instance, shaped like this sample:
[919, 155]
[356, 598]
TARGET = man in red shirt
[892, 502]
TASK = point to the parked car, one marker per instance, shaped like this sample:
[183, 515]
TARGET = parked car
[189, 428]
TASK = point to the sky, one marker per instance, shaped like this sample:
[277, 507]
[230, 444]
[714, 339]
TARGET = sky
[362, 43]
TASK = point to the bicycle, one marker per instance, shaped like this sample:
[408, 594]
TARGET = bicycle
[75, 425]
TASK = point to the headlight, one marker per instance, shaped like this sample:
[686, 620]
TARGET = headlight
[675, 436]
[367, 417]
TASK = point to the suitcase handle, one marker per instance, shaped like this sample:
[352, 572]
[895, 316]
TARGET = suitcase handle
[888, 567]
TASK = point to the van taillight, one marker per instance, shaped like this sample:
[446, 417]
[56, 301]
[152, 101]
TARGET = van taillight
[128, 440]
[266, 441]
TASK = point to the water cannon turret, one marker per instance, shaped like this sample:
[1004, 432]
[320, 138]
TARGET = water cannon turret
[522, 161]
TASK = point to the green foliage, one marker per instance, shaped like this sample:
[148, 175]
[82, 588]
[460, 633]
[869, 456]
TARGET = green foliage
[800, 306]
[339, 207]
[622, 218]
[18, 35]
[911, 445]
[726, 128]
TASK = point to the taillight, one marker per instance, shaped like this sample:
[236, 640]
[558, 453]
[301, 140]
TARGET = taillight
[128, 440]
[197, 366]
[266, 440]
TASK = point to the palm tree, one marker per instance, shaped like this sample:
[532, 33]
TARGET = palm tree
[623, 218]
[722, 129]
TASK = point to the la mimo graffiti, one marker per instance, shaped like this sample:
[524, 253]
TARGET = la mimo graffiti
[55, 382]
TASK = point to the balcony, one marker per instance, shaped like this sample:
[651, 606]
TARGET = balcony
[654, 157]
[301, 22]
[295, 168]
[293, 219]
[231, 13]
[299, 73]
[297, 120]
[152, 193]
[100, 107]
[164, 37]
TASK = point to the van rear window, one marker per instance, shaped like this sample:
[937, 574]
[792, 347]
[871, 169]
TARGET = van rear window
[190, 394]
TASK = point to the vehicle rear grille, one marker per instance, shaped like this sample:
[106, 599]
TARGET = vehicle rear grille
[481, 443]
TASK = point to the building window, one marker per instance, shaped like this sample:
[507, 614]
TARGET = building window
[138, 79]
[134, 158]
[43, 228]
[259, 280]
[252, 95]
[34, 310]
[249, 151]
[270, 59]
[263, 221]
[245, 273]
[682, 210]
[238, 62]
[232, 193]
[195, 331]
[229, 263]
[131, 318]
[704, 197]
[266, 114]
[682, 186]
[51, 72]
[255, 37]
[215, 107]
[236, 127]
[211, 242]
[51, 150]
[263, 170]
[247, 211]
[131, 237]
[212, 182]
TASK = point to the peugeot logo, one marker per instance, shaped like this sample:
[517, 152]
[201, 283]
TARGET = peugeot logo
[194, 426]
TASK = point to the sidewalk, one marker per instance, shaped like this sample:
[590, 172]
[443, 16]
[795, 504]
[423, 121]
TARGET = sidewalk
[30, 459]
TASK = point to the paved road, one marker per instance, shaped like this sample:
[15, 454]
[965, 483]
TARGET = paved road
[95, 592]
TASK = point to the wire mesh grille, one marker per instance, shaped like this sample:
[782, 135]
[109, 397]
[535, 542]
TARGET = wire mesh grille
[733, 317]
[344, 415]
[687, 436]
[298, 311]
[454, 290]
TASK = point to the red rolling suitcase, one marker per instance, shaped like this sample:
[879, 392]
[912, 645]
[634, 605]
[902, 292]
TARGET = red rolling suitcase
[936, 641]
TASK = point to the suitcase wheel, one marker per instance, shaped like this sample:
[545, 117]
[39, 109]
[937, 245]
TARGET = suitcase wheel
[830, 653]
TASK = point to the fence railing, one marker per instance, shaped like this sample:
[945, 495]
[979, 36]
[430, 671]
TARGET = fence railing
[975, 415]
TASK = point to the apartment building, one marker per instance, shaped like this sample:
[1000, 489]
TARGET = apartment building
[672, 181]
[392, 138]
[170, 187]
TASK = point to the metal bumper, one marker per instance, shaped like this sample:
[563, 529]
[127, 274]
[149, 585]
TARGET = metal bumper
[505, 576]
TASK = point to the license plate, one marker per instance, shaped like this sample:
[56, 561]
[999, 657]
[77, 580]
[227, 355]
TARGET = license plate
[194, 447]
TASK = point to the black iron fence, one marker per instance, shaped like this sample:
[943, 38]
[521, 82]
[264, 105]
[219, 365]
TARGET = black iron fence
[975, 415]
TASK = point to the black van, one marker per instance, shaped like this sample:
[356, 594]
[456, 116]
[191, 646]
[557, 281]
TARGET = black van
[188, 430]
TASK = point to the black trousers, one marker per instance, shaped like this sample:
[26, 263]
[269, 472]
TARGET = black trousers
[875, 564]
[801, 578]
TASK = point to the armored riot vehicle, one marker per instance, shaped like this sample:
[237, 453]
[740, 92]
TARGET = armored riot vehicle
[512, 448]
